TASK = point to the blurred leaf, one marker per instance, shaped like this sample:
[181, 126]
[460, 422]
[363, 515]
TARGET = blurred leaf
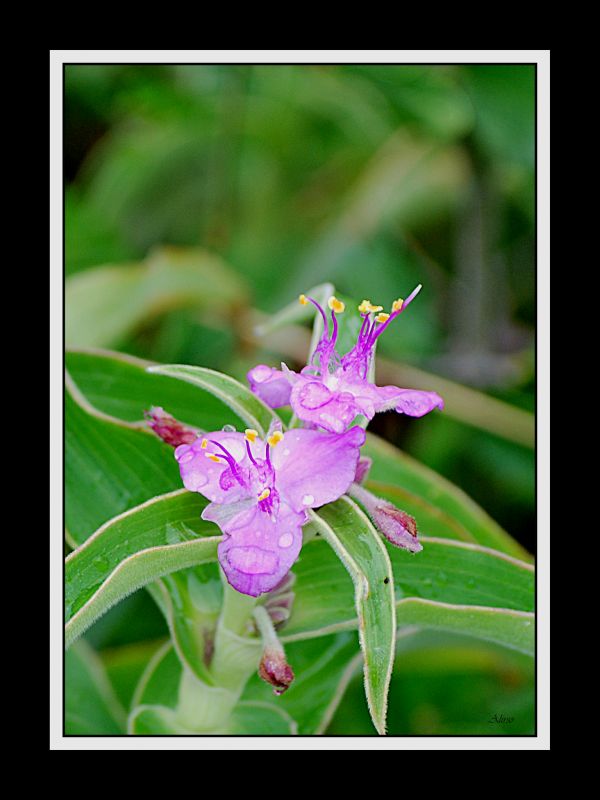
[106, 303]
[405, 180]
[504, 99]
[91, 706]
[89, 239]
[432, 99]
[132, 550]
[465, 404]
[159, 683]
[296, 312]
[125, 665]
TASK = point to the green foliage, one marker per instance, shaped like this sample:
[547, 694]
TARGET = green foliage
[450, 586]
[195, 193]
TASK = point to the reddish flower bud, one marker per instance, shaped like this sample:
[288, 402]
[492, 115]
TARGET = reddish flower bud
[396, 525]
[275, 670]
[168, 428]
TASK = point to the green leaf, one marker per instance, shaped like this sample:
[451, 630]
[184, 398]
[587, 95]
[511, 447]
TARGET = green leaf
[452, 576]
[91, 706]
[130, 551]
[246, 405]
[322, 668]
[440, 507]
[356, 543]
[106, 303]
[513, 629]
[109, 467]
[159, 684]
[119, 385]
[125, 665]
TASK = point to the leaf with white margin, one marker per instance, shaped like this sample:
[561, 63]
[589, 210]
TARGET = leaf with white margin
[246, 405]
[359, 547]
[163, 535]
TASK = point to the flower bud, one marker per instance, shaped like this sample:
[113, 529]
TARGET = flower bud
[168, 428]
[275, 670]
[398, 527]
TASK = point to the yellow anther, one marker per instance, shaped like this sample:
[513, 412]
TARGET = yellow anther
[382, 317]
[366, 307]
[204, 444]
[264, 494]
[303, 300]
[275, 438]
[250, 434]
[397, 304]
[336, 305]
[213, 457]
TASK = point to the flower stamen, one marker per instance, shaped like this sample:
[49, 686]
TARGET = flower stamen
[336, 305]
[275, 438]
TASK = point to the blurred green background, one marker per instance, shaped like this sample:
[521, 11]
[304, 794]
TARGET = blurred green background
[375, 178]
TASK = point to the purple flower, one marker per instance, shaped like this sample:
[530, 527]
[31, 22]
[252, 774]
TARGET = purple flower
[331, 391]
[270, 384]
[260, 491]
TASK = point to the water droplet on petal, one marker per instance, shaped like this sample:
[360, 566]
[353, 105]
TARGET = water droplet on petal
[286, 540]
[308, 500]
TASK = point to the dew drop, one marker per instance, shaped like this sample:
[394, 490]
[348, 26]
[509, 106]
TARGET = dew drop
[286, 540]
[308, 500]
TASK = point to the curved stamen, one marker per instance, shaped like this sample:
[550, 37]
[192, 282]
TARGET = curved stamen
[334, 332]
[321, 312]
[250, 456]
[394, 314]
[235, 467]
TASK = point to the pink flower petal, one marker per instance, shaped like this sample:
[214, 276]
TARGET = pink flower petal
[215, 480]
[315, 467]
[259, 548]
[271, 385]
